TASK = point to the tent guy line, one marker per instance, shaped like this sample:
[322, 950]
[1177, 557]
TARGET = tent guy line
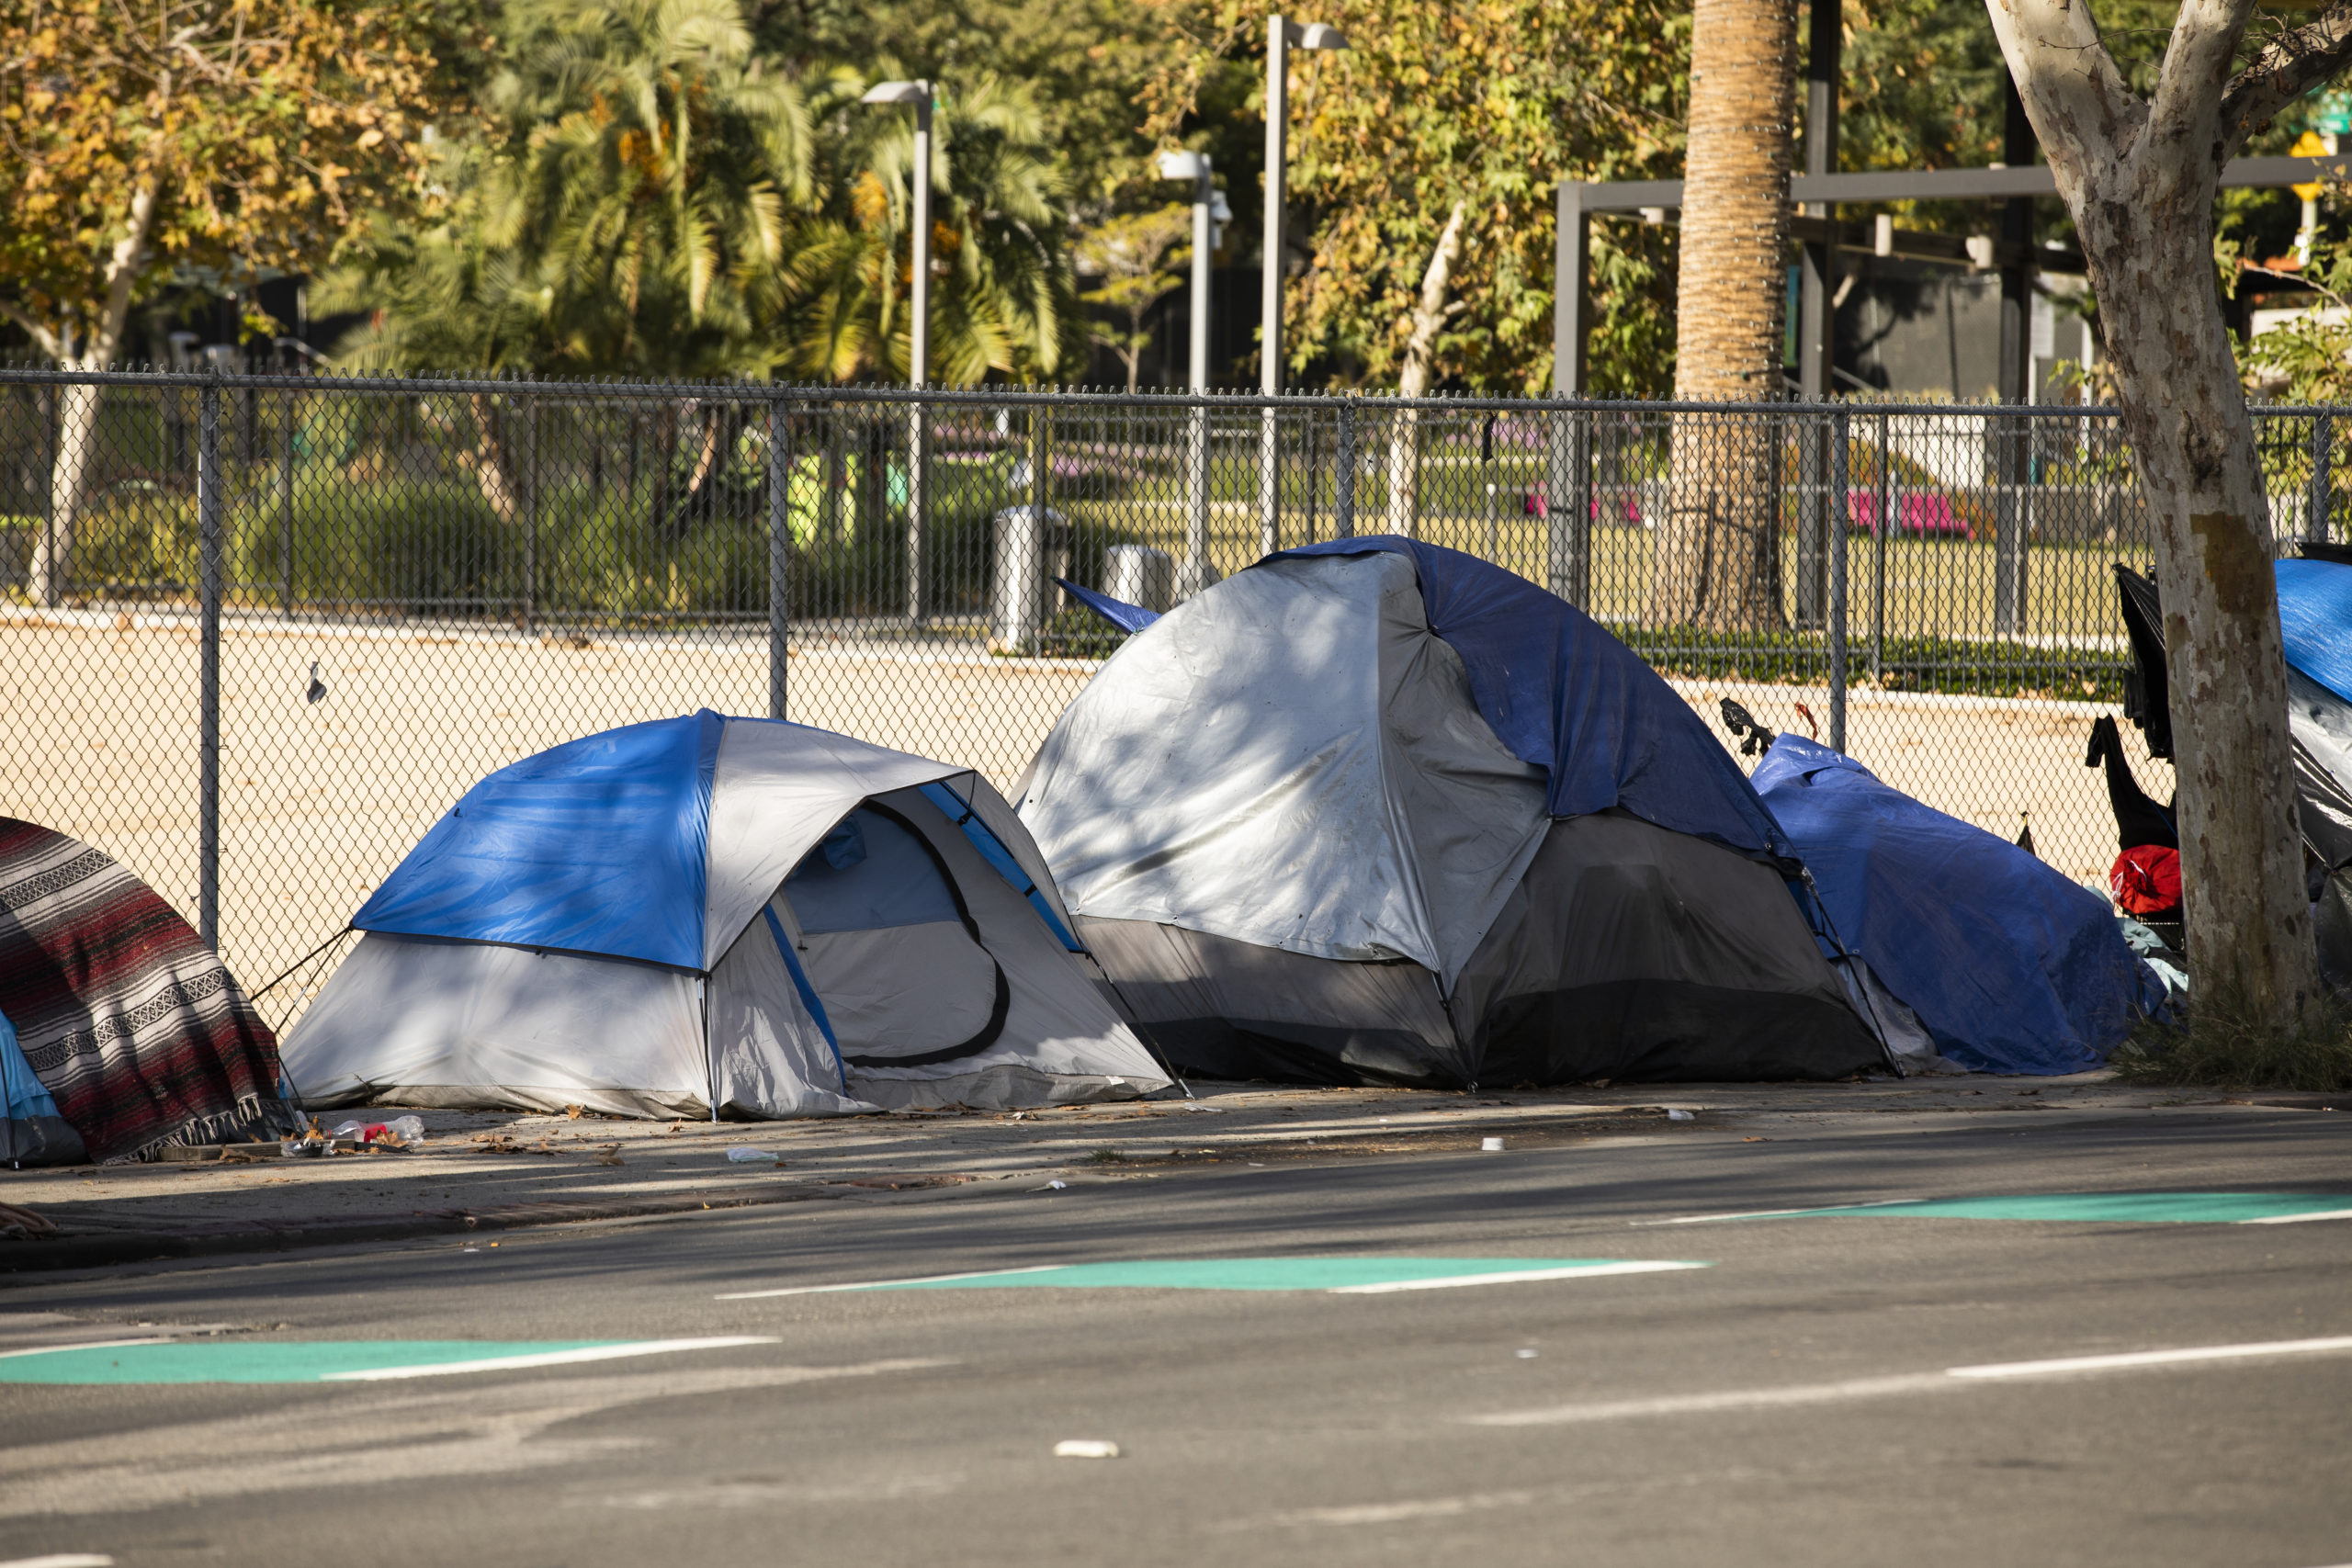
[1906, 1383]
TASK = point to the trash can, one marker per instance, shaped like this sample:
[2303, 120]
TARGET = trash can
[1137, 574]
[1032, 550]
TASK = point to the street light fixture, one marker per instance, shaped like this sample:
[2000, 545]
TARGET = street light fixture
[1282, 36]
[919, 94]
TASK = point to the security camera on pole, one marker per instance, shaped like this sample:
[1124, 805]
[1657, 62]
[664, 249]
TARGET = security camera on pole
[919, 94]
[1210, 215]
[1281, 35]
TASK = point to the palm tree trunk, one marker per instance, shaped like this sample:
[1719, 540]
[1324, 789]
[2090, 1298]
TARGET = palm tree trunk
[1719, 547]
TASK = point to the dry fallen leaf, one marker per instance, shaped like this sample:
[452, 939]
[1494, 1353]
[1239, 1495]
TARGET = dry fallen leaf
[609, 1155]
[575, 1112]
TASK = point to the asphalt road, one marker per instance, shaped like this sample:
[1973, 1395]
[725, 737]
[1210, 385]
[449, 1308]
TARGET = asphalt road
[1792, 1402]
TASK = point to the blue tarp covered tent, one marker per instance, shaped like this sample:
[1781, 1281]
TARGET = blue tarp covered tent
[2012, 967]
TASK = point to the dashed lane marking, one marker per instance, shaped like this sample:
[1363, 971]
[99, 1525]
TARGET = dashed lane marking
[353, 1360]
[2082, 1208]
[1332, 1276]
[1906, 1383]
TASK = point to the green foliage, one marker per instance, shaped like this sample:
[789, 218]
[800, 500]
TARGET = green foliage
[647, 196]
[1077, 61]
[1001, 296]
[624, 212]
[2309, 359]
[1132, 254]
[1490, 102]
[1909, 662]
[2223, 1044]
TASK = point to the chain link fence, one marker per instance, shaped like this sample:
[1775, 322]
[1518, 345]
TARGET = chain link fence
[262, 630]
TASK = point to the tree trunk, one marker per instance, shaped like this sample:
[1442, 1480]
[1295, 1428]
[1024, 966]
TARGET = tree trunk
[78, 407]
[2140, 178]
[1430, 313]
[1718, 562]
[2241, 852]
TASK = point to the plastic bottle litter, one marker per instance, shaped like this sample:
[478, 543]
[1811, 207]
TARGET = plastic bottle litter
[1680, 1116]
[1490, 1146]
[407, 1129]
[746, 1154]
[1085, 1448]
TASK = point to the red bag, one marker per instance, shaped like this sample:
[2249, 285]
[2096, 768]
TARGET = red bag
[2146, 880]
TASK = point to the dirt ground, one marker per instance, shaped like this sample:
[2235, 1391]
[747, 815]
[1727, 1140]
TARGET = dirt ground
[320, 799]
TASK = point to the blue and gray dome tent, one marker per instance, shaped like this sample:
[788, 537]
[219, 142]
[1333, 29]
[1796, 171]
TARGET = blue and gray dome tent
[1376, 811]
[700, 912]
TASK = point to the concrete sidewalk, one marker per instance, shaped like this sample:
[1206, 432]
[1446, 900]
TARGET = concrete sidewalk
[488, 1172]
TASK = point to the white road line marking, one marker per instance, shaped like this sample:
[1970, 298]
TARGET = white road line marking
[85, 1345]
[548, 1358]
[1506, 1277]
[1779, 1213]
[63, 1559]
[882, 1285]
[1701, 1403]
[2154, 1357]
[1911, 1383]
[2298, 1219]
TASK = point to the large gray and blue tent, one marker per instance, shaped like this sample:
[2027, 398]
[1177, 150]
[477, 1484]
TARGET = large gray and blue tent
[1375, 811]
[709, 912]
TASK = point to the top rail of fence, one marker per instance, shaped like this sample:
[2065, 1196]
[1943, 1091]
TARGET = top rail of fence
[999, 395]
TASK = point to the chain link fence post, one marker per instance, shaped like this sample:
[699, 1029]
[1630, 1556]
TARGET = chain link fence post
[779, 549]
[2010, 476]
[1343, 482]
[1270, 500]
[1841, 461]
[1194, 575]
[531, 517]
[1813, 511]
[2323, 443]
[917, 504]
[208, 787]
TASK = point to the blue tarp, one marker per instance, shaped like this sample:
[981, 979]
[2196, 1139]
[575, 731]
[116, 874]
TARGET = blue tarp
[21, 1094]
[596, 846]
[1118, 611]
[1568, 697]
[2315, 613]
[2012, 967]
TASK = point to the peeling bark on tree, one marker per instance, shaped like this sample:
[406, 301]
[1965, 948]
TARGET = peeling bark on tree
[2139, 176]
[1718, 547]
[1430, 313]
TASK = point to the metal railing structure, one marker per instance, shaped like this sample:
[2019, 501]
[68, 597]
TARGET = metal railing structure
[260, 630]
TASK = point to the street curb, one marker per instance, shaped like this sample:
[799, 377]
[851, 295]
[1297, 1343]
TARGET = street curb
[100, 1251]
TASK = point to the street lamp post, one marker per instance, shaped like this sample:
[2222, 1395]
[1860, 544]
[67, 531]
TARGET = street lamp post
[919, 94]
[1281, 35]
[1209, 215]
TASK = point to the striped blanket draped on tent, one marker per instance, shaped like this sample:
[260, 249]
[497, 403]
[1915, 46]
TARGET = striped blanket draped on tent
[134, 1026]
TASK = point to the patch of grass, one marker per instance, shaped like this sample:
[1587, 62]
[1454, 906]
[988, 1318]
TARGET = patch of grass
[2221, 1045]
[1106, 1156]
